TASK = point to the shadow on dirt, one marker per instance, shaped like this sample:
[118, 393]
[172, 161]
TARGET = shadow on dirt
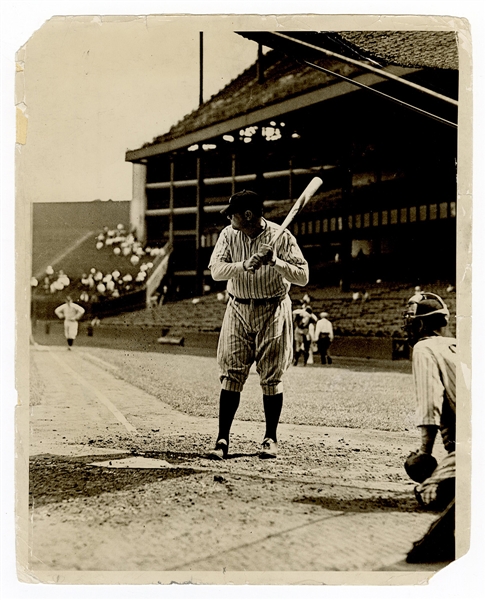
[175, 458]
[183, 457]
[57, 478]
[361, 505]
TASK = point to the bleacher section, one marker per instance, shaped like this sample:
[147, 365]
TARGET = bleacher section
[106, 271]
[379, 316]
[58, 225]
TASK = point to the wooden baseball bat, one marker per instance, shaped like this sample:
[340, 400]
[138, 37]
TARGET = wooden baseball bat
[299, 204]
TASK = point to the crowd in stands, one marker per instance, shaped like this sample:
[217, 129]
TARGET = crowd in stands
[125, 269]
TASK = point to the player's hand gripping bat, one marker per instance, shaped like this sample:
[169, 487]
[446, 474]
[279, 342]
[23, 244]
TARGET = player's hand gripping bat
[299, 205]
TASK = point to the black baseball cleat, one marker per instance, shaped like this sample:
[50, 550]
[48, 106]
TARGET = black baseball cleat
[269, 449]
[220, 451]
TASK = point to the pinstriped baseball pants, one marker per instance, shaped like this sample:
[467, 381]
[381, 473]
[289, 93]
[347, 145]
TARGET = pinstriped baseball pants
[259, 333]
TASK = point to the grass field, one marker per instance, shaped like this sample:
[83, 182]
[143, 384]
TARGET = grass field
[336, 397]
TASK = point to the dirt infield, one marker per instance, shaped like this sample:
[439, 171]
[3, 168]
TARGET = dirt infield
[335, 499]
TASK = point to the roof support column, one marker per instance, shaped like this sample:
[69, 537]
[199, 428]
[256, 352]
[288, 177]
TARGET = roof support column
[346, 233]
[233, 173]
[171, 202]
[138, 205]
[199, 223]
[259, 162]
[291, 180]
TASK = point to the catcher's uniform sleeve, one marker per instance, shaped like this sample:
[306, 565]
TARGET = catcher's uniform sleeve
[429, 390]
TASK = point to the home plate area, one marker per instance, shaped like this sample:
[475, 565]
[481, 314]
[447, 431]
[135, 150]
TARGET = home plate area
[158, 513]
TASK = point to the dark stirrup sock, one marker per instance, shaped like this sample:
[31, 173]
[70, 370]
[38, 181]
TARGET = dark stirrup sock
[228, 405]
[272, 406]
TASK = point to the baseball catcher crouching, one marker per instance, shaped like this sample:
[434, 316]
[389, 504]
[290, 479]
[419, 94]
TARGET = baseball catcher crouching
[434, 375]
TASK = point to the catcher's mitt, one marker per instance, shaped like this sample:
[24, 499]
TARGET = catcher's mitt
[419, 466]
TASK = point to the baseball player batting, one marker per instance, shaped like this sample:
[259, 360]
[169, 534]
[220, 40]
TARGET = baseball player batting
[260, 261]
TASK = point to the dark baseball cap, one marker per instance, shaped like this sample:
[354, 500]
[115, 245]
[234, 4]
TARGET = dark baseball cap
[244, 200]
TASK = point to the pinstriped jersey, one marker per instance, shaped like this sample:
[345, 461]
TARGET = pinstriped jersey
[234, 247]
[434, 373]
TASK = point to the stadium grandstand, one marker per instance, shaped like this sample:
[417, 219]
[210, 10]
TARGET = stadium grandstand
[373, 114]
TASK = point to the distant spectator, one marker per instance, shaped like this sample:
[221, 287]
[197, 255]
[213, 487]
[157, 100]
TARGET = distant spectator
[71, 313]
[324, 335]
[154, 300]
[63, 278]
[356, 296]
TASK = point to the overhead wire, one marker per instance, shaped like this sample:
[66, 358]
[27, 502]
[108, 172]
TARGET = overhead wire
[362, 65]
[380, 93]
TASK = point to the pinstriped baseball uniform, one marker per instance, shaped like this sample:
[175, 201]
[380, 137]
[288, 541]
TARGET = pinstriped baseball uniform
[257, 325]
[434, 373]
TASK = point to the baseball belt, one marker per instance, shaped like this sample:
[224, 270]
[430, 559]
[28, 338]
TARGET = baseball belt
[256, 301]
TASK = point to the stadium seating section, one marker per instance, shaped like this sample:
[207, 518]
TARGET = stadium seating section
[67, 235]
[380, 315]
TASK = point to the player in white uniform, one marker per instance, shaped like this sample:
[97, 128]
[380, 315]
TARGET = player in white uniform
[71, 313]
[257, 326]
[434, 375]
[324, 335]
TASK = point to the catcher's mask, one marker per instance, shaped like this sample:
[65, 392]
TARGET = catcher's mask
[421, 306]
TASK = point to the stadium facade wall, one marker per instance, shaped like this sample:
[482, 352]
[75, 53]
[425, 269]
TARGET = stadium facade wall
[387, 209]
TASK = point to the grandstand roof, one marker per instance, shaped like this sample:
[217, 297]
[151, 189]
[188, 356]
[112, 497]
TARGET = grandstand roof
[421, 49]
[285, 76]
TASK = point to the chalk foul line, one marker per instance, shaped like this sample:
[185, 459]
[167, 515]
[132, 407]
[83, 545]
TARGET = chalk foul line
[99, 395]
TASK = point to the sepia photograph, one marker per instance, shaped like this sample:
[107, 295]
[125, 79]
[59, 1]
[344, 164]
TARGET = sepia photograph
[243, 297]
